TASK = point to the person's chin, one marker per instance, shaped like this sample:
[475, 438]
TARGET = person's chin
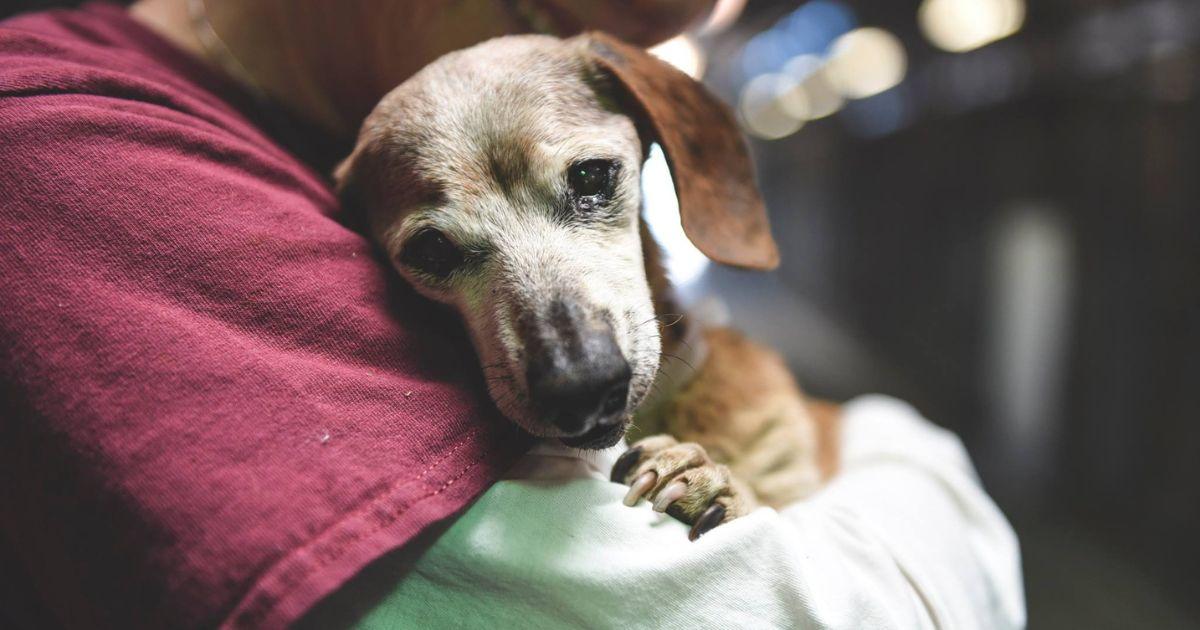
[647, 24]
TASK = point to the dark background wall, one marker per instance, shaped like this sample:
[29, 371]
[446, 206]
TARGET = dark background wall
[1019, 256]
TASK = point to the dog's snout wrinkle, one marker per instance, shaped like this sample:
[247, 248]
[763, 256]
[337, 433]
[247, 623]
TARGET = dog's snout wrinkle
[577, 375]
[569, 326]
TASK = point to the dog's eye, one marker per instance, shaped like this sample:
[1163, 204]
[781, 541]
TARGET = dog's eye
[430, 252]
[591, 178]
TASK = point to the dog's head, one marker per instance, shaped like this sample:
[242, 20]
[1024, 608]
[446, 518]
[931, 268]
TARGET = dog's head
[504, 181]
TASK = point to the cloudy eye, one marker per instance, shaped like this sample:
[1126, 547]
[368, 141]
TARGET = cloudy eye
[430, 252]
[592, 178]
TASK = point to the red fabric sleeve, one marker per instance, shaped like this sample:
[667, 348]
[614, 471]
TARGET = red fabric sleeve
[216, 403]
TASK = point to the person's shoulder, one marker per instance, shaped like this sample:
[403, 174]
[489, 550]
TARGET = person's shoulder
[42, 52]
[97, 51]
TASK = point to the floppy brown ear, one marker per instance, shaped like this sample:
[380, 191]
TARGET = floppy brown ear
[719, 203]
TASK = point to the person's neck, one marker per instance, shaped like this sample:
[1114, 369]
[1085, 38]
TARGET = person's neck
[277, 53]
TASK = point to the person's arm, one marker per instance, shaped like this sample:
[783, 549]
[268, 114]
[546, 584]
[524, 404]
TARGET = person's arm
[215, 405]
[907, 517]
[903, 537]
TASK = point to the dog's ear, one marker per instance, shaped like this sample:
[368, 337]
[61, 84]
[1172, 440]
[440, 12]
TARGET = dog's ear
[347, 186]
[719, 203]
[344, 174]
[344, 181]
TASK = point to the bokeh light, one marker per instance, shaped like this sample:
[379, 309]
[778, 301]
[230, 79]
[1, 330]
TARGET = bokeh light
[812, 97]
[809, 30]
[865, 62]
[762, 109]
[962, 25]
[724, 14]
[683, 53]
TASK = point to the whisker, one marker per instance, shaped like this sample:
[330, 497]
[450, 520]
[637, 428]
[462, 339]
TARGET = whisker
[680, 359]
[675, 319]
[670, 378]
[678, 318]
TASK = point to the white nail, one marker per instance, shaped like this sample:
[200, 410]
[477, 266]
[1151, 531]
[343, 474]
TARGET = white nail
[672, 493]
[639, 487]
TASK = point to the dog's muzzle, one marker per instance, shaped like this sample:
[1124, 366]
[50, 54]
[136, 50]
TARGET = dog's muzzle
[578, 379]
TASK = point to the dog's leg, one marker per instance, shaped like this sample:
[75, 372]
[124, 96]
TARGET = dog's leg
[740, 433]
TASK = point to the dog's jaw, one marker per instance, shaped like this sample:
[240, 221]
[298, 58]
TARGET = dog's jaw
[502, 353]
[600, 437]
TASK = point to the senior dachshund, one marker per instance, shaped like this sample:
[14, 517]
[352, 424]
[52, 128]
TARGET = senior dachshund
[504, 181]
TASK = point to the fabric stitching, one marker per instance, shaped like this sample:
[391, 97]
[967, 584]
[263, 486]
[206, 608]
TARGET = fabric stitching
[393, 517]
[258, 608]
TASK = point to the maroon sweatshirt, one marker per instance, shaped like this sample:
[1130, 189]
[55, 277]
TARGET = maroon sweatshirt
[216, 403]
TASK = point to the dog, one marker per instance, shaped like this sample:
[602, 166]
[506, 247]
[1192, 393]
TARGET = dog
[503, 180]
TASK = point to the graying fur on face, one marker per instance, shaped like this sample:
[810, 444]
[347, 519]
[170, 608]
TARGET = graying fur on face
[477, 146]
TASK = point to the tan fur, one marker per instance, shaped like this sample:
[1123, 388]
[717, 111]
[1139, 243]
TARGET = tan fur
[708, 481]
[744, 408]
[476, 146]
[666, 304]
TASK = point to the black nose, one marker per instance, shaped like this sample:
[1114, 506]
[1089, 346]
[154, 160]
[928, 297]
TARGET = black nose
[578, 392]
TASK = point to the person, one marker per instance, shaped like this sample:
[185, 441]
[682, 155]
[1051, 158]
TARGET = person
[903, 537]
[220, 408]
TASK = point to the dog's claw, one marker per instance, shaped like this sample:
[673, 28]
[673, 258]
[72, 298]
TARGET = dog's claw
[711, 517]
[642, 485]
[625, 463]
[670, 494]
[681, 480]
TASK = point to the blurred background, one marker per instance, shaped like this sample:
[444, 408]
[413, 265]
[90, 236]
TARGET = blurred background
[990, 208]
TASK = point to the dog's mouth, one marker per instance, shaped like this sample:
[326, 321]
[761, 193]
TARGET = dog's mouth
[601, 436]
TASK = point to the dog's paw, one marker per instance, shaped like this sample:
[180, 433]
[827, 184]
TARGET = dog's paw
[681, 480]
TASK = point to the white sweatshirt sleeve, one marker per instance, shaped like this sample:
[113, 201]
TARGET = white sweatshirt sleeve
[903, 537]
